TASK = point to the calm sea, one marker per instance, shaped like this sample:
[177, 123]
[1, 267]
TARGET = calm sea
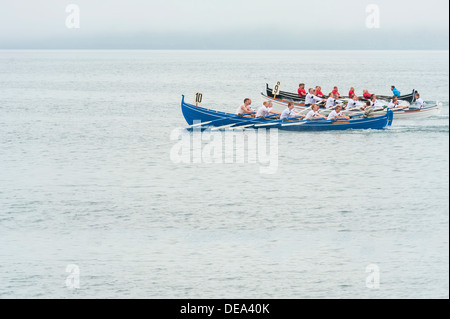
[87, 181]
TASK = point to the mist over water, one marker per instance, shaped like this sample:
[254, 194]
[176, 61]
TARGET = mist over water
[86, 178]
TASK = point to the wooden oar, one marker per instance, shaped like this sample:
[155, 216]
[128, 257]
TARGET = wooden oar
[239, 124]
[253, 124]
[303, 108]
[294, 123]
[277, 121]
[260, 119]
[357, 114]
[221, 119]
[314, 120]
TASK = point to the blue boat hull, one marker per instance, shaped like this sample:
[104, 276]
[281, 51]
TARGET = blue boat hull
[195, 114]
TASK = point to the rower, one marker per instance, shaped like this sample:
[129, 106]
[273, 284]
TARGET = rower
[301, 90]
[245, 108]
[354, 103]
[336, 91]
[265, 110]
[319, 92]
[419, 102]
[337, 114]
[395, 91]
[375, 103]
[366, 94]
[351, 93]
[332, 101]
[314, 113]
[311, 97]
[394, 104]
[368, 110]
[289, 112]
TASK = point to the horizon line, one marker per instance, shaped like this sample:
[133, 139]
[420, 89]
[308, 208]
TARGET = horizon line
[197, 49]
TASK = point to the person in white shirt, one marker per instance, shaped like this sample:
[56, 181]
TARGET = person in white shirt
[314, 113]
[354, 104]
[265, 110]
[394, 104]
[332, 101]
[375, 103]
[311, 98]
[289, 112]
[337, 114]
[419, 102]
[245, 108]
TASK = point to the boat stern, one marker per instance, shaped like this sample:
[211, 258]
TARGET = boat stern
[390, 116]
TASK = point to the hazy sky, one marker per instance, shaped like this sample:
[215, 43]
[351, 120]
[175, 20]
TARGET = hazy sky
[224, 24]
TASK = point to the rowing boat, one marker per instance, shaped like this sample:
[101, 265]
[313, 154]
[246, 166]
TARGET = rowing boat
[293, 97]
[410, 113]
[195, 115]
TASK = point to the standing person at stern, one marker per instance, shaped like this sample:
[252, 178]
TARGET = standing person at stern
[395, 91]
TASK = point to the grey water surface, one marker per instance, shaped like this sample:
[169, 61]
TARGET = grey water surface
[87, 179]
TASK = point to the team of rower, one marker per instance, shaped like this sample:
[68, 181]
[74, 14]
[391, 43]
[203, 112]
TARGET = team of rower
[266, 110]
[318, 92]
[316, 96]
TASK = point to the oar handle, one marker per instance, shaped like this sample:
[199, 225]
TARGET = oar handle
[276, 121]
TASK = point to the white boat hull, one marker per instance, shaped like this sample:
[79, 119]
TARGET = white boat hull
[417, 114]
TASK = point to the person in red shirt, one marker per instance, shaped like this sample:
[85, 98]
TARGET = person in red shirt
[301, 90]
[336, 91]
[319, 91]
[367, 95]
[351, 93]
